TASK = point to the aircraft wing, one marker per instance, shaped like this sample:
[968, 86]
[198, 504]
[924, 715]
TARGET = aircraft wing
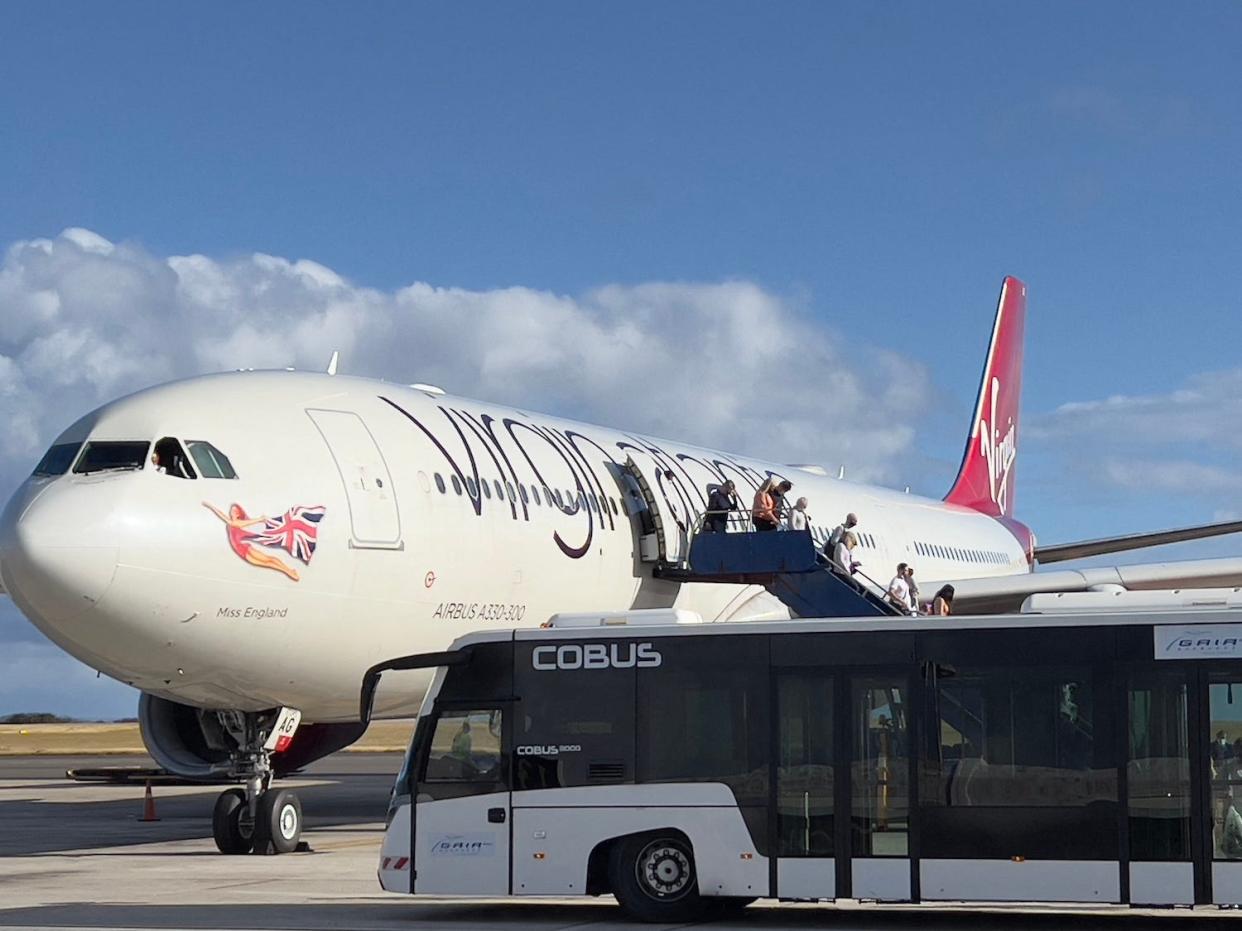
[1133, 541]
[1004, 594]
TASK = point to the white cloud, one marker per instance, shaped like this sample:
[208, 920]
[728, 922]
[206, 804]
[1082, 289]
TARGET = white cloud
[727, 364]
[1203, 411]
[1176, 476]
[1181, 442]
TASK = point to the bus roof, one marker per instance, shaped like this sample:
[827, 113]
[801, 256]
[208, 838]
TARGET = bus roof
[1059, 620]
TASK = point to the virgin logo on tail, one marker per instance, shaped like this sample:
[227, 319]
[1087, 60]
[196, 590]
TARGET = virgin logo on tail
[999, 451]
[987, 478]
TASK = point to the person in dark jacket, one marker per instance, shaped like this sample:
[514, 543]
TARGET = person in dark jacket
[720, 501]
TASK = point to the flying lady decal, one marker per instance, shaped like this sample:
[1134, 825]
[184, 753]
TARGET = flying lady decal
[294, 532]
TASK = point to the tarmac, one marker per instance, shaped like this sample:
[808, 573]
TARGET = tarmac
[75, 856]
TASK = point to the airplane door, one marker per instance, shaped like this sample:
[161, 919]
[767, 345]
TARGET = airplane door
[660, 539]
[372, 497]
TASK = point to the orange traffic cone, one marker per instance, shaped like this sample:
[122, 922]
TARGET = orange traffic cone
[148, 805]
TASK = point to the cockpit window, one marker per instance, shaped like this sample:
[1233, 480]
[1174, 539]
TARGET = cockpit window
[170, 459]
[210, 461]
[112, 456]
[56, 461]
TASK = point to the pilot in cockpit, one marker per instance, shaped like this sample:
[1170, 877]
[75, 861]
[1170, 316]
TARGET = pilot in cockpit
[168, 459]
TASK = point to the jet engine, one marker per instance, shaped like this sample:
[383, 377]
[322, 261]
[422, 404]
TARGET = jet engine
[197, 743]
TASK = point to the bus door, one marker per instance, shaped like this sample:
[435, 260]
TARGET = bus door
[843, 784]
[462, 802]
[1220, 755]
[880, 753]
[1184, 784]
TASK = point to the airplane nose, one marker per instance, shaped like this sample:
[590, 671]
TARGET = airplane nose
[56, 559]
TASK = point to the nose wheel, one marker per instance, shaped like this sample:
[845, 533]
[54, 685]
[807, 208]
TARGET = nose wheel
[232, 824]
[275, 826]
[258, 818]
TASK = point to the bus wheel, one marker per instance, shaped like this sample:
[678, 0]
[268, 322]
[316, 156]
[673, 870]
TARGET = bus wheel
[653, 878]
[279, 821]
[231, 824]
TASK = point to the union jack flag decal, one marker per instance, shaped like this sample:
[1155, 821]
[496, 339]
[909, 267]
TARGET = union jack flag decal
[294, 531]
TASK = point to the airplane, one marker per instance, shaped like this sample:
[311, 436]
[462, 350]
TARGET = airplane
[242, 547]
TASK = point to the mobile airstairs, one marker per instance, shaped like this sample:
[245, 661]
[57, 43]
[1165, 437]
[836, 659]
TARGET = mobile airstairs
[787, 564]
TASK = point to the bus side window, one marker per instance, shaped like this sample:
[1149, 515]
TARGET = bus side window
[465, 756]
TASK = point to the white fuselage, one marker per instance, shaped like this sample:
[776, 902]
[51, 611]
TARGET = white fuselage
[133, 573]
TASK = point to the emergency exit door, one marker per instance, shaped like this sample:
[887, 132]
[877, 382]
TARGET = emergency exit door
[374, 520]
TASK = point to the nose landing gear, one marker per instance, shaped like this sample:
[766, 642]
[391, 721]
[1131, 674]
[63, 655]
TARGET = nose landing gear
[258, 818]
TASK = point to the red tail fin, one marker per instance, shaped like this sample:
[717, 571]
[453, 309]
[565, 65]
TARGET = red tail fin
[985, 481]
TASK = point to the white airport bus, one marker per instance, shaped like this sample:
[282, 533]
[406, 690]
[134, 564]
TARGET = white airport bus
[689, 768]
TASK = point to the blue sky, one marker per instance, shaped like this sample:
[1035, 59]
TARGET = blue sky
[876, 169]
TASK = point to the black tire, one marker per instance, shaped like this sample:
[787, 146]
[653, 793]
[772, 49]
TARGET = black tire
[279, 822]
[230, 823]
[654, 879]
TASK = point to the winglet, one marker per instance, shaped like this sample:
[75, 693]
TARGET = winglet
[985, 481]
[332, 362]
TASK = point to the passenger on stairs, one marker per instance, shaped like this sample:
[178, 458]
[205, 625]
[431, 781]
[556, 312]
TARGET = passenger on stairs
[850, 522]
[914, 591]
[843, 555]
[779, 507]
[942, 604]
[720, 501]
[763, 510]
[797, 517]
[899, 590]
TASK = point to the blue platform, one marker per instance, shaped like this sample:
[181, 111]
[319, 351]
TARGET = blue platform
[787, 564]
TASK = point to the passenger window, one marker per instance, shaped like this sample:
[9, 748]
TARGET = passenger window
[170, 459]
[466, 747]
[456, 484]
[703, 717]
[111, 456]
[472, 488]
[440, 486]
[509, 491]
[487, 489]
[56, 461]
[1017, 767]
[522, 492]
[534, 493]
[210, 461]
[613, 502]
[500, 490]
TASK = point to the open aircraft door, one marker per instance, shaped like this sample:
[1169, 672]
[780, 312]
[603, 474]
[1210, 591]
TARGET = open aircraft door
[660, 539]
[374, 520]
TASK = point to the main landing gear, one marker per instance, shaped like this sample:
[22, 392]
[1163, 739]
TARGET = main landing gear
[257, 818]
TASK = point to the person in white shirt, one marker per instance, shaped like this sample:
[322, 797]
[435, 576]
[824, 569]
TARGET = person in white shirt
[899, 590]
[796, 519]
